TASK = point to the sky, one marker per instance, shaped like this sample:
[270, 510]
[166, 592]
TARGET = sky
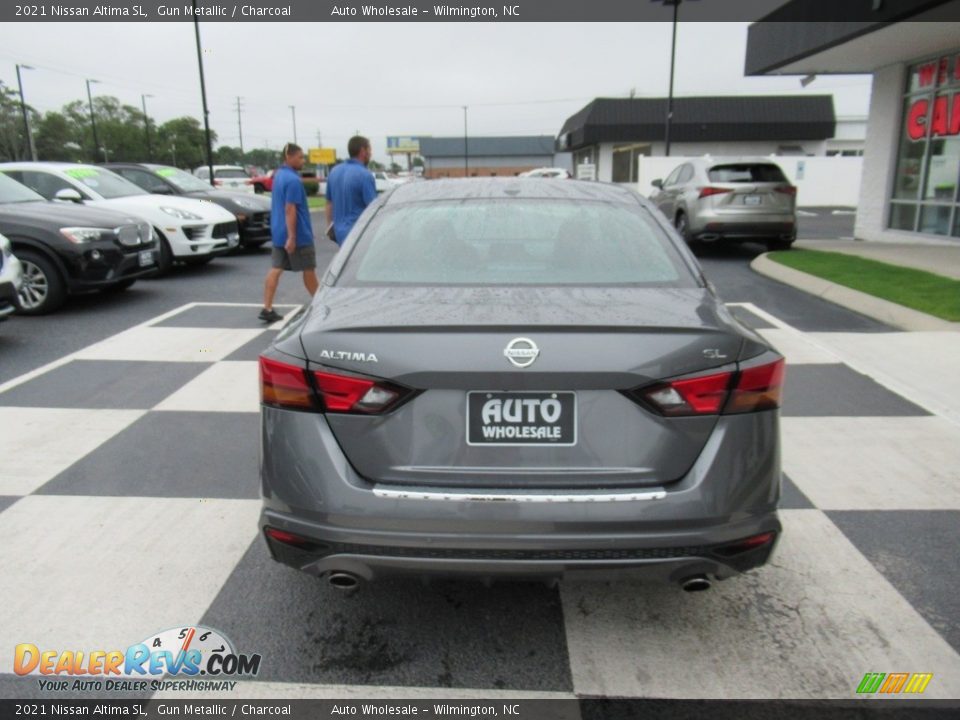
[388, 78]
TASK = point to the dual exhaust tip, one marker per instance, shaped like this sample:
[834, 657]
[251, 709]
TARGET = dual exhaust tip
[347, 582]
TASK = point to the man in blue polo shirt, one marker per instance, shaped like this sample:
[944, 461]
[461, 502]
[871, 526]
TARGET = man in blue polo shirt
[291, 230]
[350, 188]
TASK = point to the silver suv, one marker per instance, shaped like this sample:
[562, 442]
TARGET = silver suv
[729, 199]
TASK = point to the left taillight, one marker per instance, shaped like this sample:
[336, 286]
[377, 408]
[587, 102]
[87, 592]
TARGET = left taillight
[750, 389]
[289, 386]
[284, 385]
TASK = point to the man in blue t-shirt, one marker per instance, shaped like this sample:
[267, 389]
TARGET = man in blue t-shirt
[291, 230]
[350, 188]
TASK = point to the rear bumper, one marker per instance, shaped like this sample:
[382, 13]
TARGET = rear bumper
[350, 525]
[742, 226]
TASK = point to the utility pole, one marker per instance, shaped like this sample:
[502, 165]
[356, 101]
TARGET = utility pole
[146, 125]
[23, 109]
[203, 89]
[466, 151]
[673, 57]
[239, 124]
[93, 122]
[293, 109]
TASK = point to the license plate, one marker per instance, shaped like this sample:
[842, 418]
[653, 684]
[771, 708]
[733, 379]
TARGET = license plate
[751, 200]
[233, 239]
[521, 418]
[146, 258]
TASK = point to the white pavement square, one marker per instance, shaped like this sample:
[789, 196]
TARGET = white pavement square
[223, 387]
[103, 573]
[874, 463]
[808, 625]
[39, 443]
[170, 344]
[796, 348]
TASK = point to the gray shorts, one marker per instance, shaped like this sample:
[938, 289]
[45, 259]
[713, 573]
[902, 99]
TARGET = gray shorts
[303, 258]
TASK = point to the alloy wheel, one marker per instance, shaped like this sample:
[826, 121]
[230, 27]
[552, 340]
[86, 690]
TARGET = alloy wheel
[36, 286]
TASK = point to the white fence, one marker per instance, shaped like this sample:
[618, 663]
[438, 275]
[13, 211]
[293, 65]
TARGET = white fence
[820, 180]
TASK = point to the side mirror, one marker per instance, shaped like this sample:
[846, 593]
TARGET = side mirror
[658, 183]
[68, 195]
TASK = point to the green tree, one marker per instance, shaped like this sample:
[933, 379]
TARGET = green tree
[262, 157]
[13, 138]
[181, 142]
[57, 138]
[226, 155]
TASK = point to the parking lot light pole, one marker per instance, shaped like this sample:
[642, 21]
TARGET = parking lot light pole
[93, 122]
[673, 56]
[293, 111]
[203, 90]
[23, 109]
[146, 125]
[466, 151]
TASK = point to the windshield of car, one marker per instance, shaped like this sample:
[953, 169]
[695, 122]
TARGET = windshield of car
[105, 183]
[13, 192]
[746, 173]
[183, 181]
[516, 242]
[230, 173]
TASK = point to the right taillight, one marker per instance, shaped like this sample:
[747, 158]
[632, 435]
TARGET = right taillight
[757, 388]
[750, 389]
[786, 189]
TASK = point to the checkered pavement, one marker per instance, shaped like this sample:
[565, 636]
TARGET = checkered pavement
[129, 504]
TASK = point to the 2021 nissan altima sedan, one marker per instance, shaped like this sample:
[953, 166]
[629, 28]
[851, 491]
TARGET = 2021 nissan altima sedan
[511, 378]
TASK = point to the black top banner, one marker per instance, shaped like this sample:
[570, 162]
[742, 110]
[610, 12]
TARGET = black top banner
[479, 11]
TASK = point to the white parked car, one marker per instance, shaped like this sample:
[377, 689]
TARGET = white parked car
[558, 173]
[383, 181]
[11, 278]
[227, 177]
[191, 231]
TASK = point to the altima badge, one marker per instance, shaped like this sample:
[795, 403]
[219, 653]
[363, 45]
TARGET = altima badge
[521, 352]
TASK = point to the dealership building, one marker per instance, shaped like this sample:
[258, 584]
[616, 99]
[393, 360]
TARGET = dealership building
[611, 134]
[911, 154]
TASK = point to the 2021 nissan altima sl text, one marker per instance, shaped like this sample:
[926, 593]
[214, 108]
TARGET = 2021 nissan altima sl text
[512, 378]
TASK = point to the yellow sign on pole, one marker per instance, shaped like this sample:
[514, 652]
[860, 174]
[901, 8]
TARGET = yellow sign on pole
[322, 156]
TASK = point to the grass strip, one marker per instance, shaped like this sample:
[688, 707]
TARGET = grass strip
[917, 289]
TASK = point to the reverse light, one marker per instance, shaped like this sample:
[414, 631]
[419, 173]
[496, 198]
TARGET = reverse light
[708, 191]
[703, 395]
[350, 394]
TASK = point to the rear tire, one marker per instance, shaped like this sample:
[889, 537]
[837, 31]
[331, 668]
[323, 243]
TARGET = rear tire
[43, 288]
[680, 223]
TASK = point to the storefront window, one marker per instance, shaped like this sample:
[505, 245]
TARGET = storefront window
[925, 191]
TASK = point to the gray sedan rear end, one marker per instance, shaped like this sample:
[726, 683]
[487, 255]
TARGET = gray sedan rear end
[511, 378]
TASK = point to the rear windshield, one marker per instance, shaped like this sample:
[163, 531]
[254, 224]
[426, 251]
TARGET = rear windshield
[515, 242]
[746, 173]
[230, 173]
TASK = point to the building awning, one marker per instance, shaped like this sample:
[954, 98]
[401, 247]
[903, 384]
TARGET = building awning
[701, 119]
[899, 31]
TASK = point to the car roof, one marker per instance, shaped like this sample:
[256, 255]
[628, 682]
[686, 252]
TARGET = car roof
[734, 160]
[514, 187]
[47, 165]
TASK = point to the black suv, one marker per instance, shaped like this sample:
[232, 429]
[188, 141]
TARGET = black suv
[67, 248]
[252, 212]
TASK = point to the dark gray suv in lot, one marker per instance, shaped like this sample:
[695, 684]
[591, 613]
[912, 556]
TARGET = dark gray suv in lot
[513, 378]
